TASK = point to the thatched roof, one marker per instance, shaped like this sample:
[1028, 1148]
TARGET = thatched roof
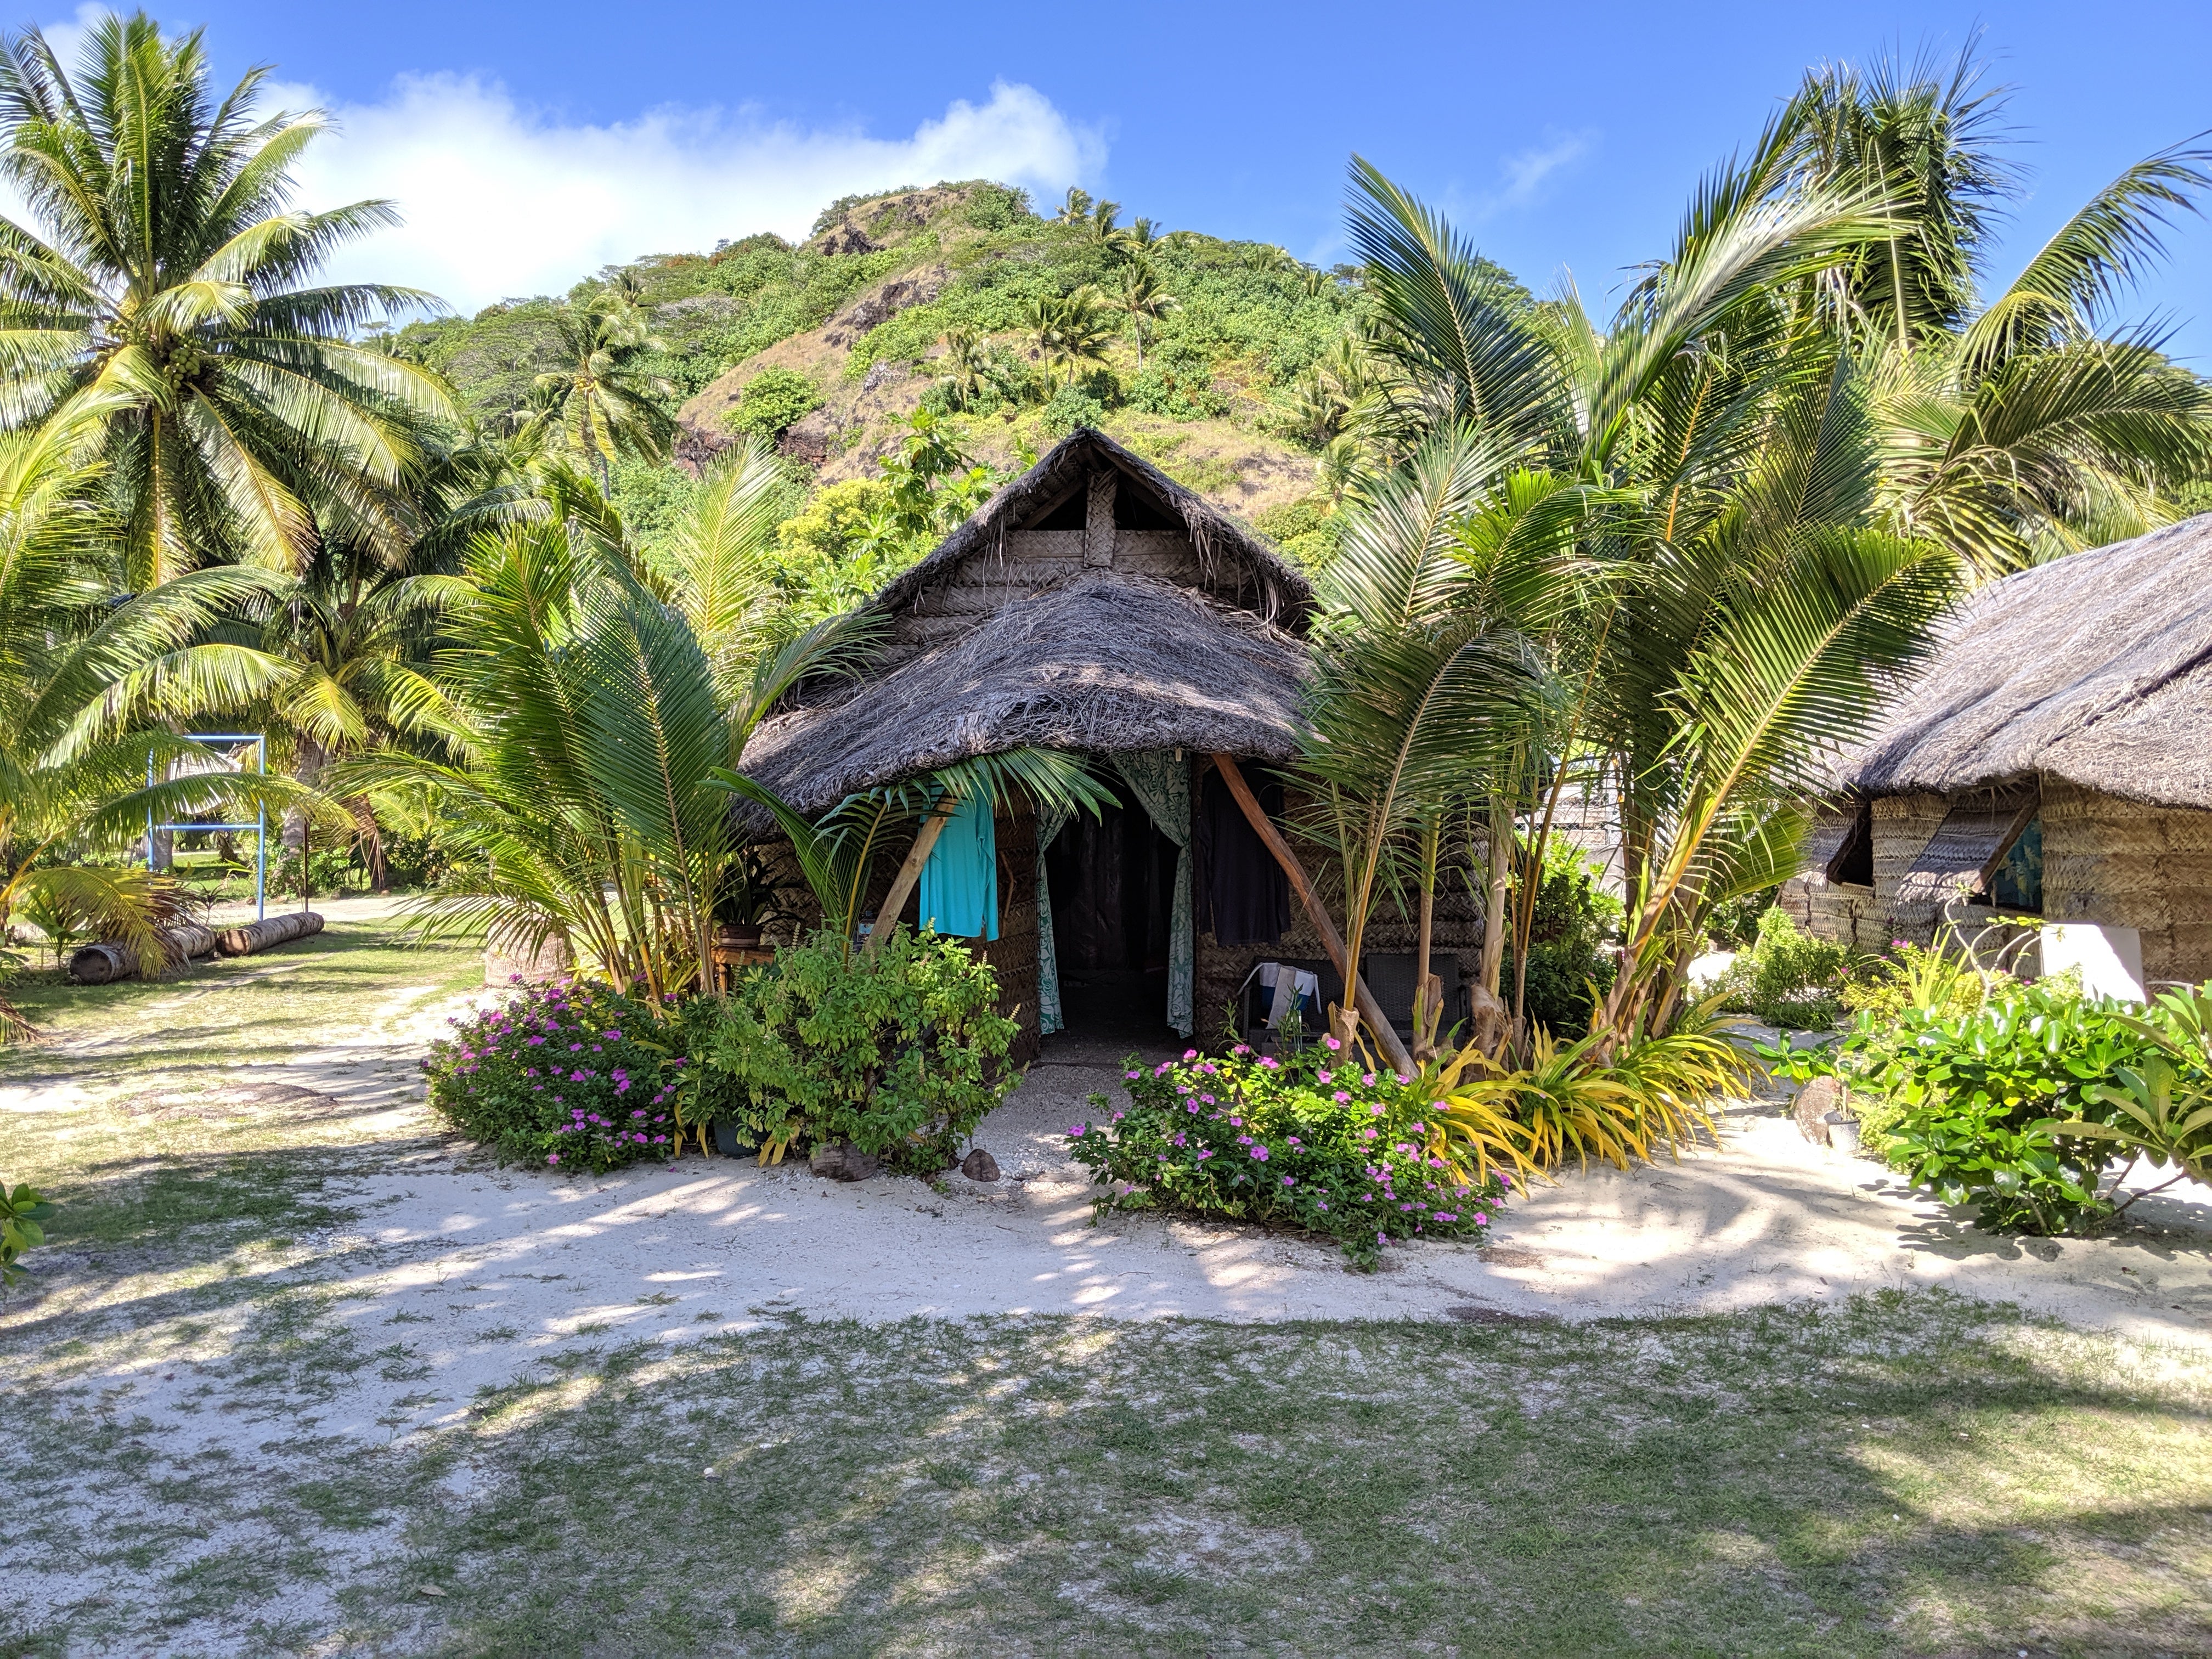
[1238, 562]
[1106, 665]
[2096, 669]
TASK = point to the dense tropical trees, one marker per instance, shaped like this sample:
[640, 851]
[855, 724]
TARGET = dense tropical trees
[164, 275]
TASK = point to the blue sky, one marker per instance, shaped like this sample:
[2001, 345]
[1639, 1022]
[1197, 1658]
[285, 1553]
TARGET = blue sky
[527, 143]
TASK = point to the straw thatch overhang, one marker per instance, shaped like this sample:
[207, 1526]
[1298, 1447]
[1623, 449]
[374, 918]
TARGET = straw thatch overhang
[2096, 669]
[1108, 664]
[1238, 565]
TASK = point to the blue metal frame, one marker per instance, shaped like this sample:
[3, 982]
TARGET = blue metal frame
[260, 826]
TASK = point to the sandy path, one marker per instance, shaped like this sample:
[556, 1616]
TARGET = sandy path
[488, 1270]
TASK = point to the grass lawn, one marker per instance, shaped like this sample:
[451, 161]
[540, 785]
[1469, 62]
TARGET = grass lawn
[1901, 1475]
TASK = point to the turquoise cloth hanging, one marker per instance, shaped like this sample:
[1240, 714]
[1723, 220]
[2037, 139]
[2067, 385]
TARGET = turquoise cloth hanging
[1051, 820]
[1161, 781]
[960, 882]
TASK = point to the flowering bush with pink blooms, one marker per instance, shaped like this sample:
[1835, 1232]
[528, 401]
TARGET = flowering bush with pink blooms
[568, 1075]
[1312, 1140]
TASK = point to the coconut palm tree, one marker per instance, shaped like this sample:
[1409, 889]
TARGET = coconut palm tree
[1068, 329]
[1140, 298]
[602, 403]
[1705, 464]
[165, 277]
[2026, 426]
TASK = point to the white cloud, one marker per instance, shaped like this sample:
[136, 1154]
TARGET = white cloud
[499, 200]
[1525, 172]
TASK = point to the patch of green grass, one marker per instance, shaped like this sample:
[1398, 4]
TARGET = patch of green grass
[159, 1121]
[1900, 1476]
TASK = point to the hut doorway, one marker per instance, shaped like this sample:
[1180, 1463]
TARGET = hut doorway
[1112, 884]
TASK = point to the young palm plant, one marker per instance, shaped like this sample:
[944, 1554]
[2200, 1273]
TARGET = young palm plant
[75, 745]
[166, 280]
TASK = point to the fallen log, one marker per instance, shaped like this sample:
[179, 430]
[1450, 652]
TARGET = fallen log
[110, 960]
[270, 931]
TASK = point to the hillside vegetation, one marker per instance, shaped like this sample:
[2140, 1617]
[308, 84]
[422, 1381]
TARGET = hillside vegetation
[1210, 357]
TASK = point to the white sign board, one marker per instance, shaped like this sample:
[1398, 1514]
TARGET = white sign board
[2109, 958]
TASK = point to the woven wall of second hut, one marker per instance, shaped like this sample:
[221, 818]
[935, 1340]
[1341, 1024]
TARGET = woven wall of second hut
[2128, 864]
[2120, 863]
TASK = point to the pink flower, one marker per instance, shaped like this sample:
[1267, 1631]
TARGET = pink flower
[552, 1157]
[1190, 1054]
[1268, 1062]
[1289, 1181]
[1260, 1153]
[1323, 1076]
[1368, 1079]
[1332, 1042]
[1134, 1074]
[1402, 1077]
[1374, 1111]
[1341, 1097]
[1241, 1049]
[1076, 1128]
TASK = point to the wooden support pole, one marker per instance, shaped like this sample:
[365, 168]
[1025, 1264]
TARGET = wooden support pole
[1386, 1034]
[909, 873]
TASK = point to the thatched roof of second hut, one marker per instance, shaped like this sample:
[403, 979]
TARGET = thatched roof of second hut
[1106, 665]
[2096, 669]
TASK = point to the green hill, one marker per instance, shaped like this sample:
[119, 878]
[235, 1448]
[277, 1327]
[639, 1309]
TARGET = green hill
[832, 345]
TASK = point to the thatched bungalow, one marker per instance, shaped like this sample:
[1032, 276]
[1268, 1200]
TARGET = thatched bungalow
[1095, 606]
[2056, 758]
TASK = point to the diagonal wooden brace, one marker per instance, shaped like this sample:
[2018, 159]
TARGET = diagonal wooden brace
[1385, 1034]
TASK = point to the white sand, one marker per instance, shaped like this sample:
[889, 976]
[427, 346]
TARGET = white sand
[486, 1271]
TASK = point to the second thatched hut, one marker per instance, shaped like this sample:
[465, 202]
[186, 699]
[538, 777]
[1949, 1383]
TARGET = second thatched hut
[2055, 760]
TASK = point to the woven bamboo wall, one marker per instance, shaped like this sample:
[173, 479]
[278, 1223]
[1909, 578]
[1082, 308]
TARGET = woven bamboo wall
[1836, 910]
[2127, 864]
[1903, 827]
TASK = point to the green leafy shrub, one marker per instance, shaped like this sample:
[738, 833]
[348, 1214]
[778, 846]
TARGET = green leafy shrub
[1575, 920]
[570, 1075]
[1306, 529]
[1988, 1106]
[22, 1213]
[771, 401]
[1070, 407]
[900, 1051]
[1915, 977]
[1787, 977]
[1305, 1142]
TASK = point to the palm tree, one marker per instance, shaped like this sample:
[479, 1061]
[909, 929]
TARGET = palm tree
[1691, 487]
[165, 277]
[74, 745]
[1075, 208]
[967, 368]
[585, 703]
[1142, 299]
[2023, 428]
[602, 404]
[1068, 329]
